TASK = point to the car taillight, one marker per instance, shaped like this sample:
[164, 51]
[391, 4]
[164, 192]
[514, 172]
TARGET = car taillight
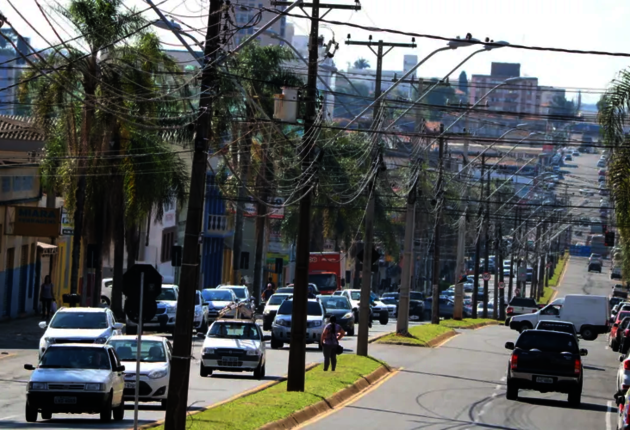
[509, 310]
[626, 332]
[513, 361]
[534, 311]
[578, 366]
[626, 365]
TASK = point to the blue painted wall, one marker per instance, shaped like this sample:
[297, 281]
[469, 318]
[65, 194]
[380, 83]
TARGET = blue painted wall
[30, 302]
[212, 249]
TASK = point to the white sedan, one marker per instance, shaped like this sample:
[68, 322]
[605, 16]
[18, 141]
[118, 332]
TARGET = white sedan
[155, 366]
[623, 374]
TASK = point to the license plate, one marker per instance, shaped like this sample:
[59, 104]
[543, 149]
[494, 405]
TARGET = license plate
[544, 380]
[229, 359]
[63, 400]
[131, 385]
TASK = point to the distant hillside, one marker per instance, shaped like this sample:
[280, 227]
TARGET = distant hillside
[591, 108]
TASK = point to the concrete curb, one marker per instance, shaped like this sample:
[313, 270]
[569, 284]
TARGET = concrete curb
[379, 336]
[235, 397]
[430, 344]
[326, 405]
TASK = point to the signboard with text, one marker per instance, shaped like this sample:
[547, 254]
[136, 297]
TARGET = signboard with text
[34, 221]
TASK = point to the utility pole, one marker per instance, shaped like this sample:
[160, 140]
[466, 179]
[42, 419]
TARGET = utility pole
[513, 248]
[501, 276]
[297, 348]
[177, 402]
[526, 240]
[487, 247]
[368, 240]
[435, 311]
[498, 268]
[402, 322]
[533, 289]
[478, 245]
[461, 244]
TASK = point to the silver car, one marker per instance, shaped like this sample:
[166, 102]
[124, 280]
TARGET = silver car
[281, 327]
[623, 373]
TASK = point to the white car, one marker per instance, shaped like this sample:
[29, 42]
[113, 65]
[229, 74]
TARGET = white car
[79, 325]
[379, 309]
[217, 300]
[241, 292]
[315, 321]
[271, 308]
[623, 374]
[106, 291]
[233, 346]
[201, 311]
[164, 319]
[79, 379]
[155, 366]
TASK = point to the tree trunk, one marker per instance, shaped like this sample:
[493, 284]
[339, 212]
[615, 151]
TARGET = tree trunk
[132, 240]
[100, 248]
[88, 114]
[317, 234]
[119, 258]
[244, 158]
[261, 222]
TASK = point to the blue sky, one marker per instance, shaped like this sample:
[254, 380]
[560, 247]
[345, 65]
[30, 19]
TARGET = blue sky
[580, 24]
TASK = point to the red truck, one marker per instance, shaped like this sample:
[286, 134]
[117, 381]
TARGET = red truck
[324, 270]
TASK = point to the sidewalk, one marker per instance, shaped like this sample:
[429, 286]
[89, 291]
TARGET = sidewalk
[21, 333]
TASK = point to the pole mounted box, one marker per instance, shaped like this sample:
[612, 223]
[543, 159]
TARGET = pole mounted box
[131, 289]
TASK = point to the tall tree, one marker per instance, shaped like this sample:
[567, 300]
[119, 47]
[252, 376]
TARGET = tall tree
[361, 63]
[463, 82]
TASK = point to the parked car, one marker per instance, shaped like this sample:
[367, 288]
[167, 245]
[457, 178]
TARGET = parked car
[621, 336]
[233, 346]
[106, 291]
[281, 327]
[589, 314]
[164, 319]
[217, 300]
[79, 325]
[613, 339]
[393, 295]
[271, 308]
[379, 310]
[155, 366]
[445, 307]
[201, 313]
[341, 308]
[391, 304]
[615, 273]
[595, 266]
[78, 379]
[568, 157]
[545, 361]
[241, 292]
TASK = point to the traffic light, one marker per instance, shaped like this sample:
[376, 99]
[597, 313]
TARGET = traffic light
[609, 239]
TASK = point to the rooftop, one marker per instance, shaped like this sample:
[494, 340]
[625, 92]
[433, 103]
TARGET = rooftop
[20, 128]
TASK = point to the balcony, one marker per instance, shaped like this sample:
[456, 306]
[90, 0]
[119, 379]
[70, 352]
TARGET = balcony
[219, 226]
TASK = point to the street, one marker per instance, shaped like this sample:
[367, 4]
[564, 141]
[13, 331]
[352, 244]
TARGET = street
[462, 383]
[202, 391]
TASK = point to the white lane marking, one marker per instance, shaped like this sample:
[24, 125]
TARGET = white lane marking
[609, 415]
[10, 416]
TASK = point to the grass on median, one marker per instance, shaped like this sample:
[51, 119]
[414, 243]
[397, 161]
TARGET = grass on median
[467, 322]
[421, 335]
[553, 281]
[275, 403]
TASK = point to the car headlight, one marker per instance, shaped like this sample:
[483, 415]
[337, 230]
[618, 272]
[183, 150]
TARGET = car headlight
[197, 312]
[93, 387]
[253, 352]
[49, 340]
[314, 324]
[209, 351]
[158, 373]
[100, 340]
[171, 309]
[38, 386]
[347, 316]
[284, 323]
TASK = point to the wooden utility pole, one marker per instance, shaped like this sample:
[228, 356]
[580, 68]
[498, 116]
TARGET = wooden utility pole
[435, 311]
[486, 256]
[478, 244]
[368, 239]
[177, 402]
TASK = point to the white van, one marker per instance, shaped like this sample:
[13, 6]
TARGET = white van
[589, 315]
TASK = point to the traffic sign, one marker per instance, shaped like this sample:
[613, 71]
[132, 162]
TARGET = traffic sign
[131, 289]
[486, 276]
[522, 274]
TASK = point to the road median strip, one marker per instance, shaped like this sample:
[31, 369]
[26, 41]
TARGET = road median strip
[272, 407]
[427, 335]
[469, 323]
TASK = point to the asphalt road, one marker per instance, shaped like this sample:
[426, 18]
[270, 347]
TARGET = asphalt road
[462, 383]
[18, 345]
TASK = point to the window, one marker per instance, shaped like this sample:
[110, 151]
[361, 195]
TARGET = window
[27, 183]
[244, 260]
[168, 240]
[6, 184]
[17, 183]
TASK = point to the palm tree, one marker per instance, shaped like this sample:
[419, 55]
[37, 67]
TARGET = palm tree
[361, 63]
[107, 108]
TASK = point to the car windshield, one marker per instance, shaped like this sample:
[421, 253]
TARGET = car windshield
[523, 302]
[276, 299]
[234, 330]
[167, 294]
[551, 326]
[151, 351]
[75, 358]
[388, 300]
[355, 295]
[239, 292]
[547, 342]
[324, 281]
[335, 302]
[414, 295]
[79, 320]
[217, 295]
[313, 309]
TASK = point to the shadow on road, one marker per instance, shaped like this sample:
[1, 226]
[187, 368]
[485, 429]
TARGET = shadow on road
[244, 377]
[452, 377]
[23, 333]
[565, 405]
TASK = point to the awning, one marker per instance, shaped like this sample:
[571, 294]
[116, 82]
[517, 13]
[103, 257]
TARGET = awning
[47, 248]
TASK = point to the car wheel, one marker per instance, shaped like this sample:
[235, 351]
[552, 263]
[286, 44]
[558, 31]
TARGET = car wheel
[106, 412]
[588, 333]
[525, 326]
[131, 330]
[46, 415]
[204, 371]
[266, 325]
[351, 331]
[259, 372]
[30, 413]
[276, 344]
[105, 301]
[512, 391]
[575, 397]
[119, 412]
[384, 319]
[163, 404]
[320, 346]
[614, 345]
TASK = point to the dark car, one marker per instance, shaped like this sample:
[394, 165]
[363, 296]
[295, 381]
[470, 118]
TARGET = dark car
[560, 326]
[620, 334]
[446, 307]
[340, 307]
[395, 296]
[595, 266]
[416, 310]
[545, 361]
